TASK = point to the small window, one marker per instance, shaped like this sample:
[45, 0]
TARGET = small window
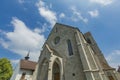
[73, 74]
[88, 41]
[56, 40]
[56, 30]
[70, 50]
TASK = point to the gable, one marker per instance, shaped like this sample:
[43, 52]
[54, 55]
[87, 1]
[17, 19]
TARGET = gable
[57, 40]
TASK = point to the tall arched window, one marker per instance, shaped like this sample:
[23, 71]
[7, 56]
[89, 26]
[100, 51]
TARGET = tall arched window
[70, 50]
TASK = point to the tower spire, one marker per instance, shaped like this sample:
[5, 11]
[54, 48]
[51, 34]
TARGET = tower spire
[27, 56]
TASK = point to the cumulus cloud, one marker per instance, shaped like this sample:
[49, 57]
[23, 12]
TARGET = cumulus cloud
[41, 30]
[114, 58]
[94, 13]
[44, 11]
[77, 15]
[62, 15]
[102, 2]
[22, 39]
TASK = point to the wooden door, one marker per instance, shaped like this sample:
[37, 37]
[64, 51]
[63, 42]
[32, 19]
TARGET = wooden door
[110, 78]
[56, 71]
[56, 76]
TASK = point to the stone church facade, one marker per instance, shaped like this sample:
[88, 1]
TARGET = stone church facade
[68, 54]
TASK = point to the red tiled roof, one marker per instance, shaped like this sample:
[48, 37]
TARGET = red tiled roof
[26, 64]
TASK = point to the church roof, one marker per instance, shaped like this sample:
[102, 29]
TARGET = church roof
[26, 64]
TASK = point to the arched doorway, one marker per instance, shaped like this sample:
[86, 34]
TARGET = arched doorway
[56, 71]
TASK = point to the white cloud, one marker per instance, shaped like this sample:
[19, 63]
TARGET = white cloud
[62, 15]
[102, 2]
[23, 39]
[37, 30]
[43, 29]
[94, 13]
[114, 58]
[45, 12]
[77, 15]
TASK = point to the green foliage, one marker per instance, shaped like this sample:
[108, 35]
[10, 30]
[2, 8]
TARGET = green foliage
[5, 69]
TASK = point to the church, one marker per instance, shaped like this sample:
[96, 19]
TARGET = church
[68, 54]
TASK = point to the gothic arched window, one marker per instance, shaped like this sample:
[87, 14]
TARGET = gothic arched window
[70, 50]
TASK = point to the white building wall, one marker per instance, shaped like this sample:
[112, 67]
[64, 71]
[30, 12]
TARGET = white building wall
[28, 75]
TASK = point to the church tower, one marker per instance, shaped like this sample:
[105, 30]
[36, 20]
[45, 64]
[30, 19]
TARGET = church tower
[68, 54]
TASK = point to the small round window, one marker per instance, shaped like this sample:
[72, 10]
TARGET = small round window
[57, 40]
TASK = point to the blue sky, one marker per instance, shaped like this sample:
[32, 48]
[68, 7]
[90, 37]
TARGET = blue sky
[25, 25]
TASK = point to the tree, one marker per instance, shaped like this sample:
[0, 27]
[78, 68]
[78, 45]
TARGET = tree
[5, 69]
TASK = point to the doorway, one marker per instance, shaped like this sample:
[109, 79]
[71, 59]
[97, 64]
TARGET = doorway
[56, 71]
[110, 78]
